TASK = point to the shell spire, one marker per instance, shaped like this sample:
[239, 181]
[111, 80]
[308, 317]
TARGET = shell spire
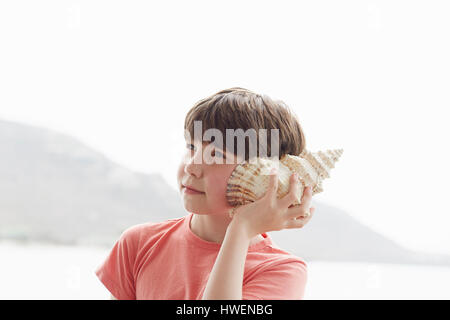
[249, 181]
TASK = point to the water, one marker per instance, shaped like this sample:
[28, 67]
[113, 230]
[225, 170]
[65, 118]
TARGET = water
[377, 281]
[38, 271]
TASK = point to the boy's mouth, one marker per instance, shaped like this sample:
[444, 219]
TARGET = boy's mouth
[191, 190]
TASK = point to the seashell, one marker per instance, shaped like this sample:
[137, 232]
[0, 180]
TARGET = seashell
[249, 180]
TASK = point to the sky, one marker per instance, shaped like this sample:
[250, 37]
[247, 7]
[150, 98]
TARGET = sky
[370, 77]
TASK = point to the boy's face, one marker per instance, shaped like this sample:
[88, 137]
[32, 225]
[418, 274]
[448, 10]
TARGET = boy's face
[207, 177]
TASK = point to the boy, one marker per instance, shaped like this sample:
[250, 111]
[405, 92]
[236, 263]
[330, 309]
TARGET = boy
[213, 253]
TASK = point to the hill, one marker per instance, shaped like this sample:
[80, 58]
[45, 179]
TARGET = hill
[54, 188]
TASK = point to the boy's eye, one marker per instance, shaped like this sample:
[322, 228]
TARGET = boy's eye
[190, 146]
[219, 153]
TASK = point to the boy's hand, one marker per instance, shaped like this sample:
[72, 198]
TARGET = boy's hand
[271, 214]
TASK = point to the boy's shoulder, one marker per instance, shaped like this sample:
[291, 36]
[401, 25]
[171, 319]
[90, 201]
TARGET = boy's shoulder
[281, 256]
[141, 232]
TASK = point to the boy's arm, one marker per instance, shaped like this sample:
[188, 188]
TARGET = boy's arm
[266, 214]
[226, 277]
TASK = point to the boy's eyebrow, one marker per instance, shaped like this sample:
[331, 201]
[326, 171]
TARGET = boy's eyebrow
[205, 143]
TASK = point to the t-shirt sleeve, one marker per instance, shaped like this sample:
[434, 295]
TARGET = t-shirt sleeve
[283, 281]
[116, 272]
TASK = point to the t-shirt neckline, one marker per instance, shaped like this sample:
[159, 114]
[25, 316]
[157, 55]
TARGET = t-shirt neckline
[194, 239]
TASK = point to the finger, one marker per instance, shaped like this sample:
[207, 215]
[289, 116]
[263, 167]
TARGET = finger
[300, 222]
[291, 196]
[309, 213]
[306, 198]
[294, 224]
[306, 217]
[273, 184]
[298, 212]
[309, 217]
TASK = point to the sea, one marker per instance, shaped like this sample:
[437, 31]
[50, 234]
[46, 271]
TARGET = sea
[48, 271]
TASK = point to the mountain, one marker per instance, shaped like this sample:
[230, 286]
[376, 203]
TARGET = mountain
[333, 235]
[54, 188]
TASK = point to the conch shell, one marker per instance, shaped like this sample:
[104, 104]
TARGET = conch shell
[249, 180]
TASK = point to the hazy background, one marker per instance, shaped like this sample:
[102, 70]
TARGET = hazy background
[370, 77]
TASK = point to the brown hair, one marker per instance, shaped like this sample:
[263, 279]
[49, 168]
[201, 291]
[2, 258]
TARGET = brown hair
[239, 108]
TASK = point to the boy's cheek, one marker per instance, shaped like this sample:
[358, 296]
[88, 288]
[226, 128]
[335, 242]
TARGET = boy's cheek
[218, 181]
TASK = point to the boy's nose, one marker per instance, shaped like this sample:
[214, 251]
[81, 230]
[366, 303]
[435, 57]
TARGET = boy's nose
[194, 165]
[193, 169]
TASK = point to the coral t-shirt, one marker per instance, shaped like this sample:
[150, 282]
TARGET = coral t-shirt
[167, 261]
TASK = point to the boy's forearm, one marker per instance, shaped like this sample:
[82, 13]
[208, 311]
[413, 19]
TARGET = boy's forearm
[226, 277]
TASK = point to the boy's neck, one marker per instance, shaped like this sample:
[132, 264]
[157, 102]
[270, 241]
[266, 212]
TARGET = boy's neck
[212, 228]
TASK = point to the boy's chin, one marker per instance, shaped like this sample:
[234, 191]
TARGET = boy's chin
[205, 212]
